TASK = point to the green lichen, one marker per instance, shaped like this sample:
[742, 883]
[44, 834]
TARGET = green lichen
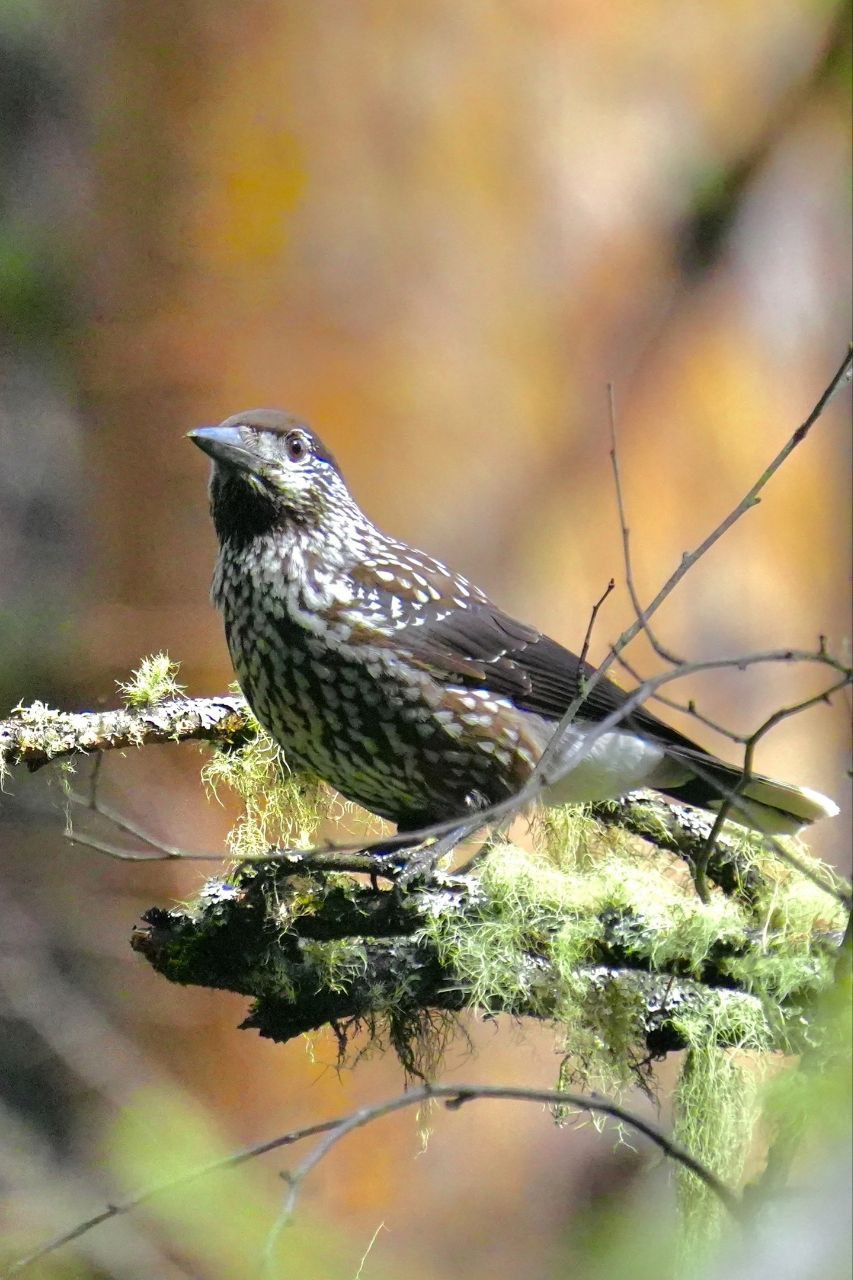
[716, 1108]
[41, 726]
[787, 861]
[533, 941]
[335, 964]
[569, 836]
[530, 912]
[297, 896]
[793, 923]
[280, 807]
[154, 680]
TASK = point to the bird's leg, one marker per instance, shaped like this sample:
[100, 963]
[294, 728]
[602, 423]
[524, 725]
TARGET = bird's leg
[397, 854]
[423, 859]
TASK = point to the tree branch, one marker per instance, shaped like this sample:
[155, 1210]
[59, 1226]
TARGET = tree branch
[332, 1131]
[246, 939]
[456, 1096]
[840, 378]
[36, 735]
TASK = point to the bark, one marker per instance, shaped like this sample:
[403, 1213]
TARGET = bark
[234, 941]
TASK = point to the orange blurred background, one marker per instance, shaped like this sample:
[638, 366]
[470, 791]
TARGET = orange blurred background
[437, 232]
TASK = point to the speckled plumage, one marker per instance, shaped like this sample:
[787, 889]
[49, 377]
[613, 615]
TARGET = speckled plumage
[385, 673]
[310, 618]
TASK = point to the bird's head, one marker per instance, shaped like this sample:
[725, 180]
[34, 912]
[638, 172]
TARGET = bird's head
[270, 469]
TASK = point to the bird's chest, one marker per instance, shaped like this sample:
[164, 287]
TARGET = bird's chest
[288, 650]
[348, 706]
[337, 704]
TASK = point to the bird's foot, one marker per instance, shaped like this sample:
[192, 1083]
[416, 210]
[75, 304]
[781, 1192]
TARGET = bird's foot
[422, 860]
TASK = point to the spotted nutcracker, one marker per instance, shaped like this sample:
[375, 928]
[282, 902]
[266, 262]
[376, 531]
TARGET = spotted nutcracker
[398, 681]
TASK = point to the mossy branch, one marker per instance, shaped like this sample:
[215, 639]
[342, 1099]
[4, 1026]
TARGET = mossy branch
[596, 933]
[37, 734]
[315, 949]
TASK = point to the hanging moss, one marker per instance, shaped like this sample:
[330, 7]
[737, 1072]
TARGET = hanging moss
[715, 1113]
[280, 807]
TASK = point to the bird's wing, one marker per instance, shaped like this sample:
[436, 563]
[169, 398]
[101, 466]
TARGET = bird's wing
[488, 649]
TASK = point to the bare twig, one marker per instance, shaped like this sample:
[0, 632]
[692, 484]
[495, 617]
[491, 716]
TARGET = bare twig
[686, 708]
[730, 800]
[91, 802]
[118, 1208]
[699, 859]
[456, 1096]
[592, 617]
[689, 559]
[639, 612]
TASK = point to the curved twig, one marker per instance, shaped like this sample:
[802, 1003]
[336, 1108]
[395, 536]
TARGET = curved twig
[454, 1096]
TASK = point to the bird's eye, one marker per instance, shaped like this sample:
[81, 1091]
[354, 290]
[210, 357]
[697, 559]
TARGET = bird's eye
[296, 446]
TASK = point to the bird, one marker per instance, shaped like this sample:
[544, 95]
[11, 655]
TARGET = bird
[399, 682]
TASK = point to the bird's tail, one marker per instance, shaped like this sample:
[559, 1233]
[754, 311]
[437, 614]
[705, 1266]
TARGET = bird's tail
[774, 808]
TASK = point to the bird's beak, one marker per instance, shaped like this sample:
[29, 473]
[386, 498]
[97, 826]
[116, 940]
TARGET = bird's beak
[223, 444]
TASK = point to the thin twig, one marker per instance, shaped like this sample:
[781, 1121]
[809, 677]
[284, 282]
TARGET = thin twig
[688, 708]
[457, 1095]
[367, 1252]
[689, 559]
[93, 804]
[641, 615]
[730, 801]
[587, 640]
[119, 1208]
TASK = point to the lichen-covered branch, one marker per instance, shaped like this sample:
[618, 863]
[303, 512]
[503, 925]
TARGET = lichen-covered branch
[314, 949]
[37, 734]
[683, 831]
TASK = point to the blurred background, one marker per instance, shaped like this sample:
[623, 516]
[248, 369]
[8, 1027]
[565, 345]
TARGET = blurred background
[437, 232]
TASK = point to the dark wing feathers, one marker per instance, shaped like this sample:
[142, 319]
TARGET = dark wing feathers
[488, 649]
